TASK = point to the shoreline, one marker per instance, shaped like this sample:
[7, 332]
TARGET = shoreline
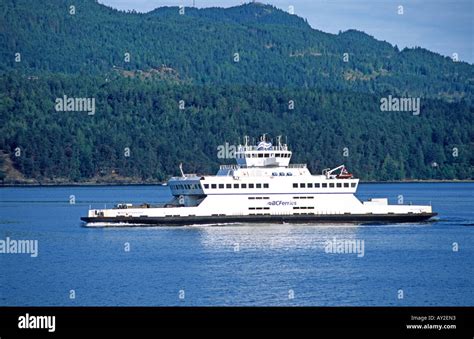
[105, 184]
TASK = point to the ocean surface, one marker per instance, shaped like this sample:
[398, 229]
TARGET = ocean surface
[403, 264]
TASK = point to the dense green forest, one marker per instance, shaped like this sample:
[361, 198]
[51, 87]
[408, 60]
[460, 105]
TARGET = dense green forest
[139, 131]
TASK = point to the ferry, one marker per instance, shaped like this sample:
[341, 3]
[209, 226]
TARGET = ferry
[262, 187]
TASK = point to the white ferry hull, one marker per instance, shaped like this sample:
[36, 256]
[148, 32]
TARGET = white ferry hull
[276, 219]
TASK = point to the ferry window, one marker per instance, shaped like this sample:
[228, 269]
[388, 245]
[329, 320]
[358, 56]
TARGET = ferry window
[289, 174]
[265, 185]
[251, 185]
[206, 185]
[295, 185]
[236, 185]
[277, 155]
[353, 184]
[310, 185]
[282, 174]
[254, 155]
[339, 184]
[213, 186]
[274, 174]
[221, 185]
[244, 185]
[259, 185]
[266, 155]
[302, 185]
[346, 184]
[228, 186]
[331, 184]
[325, 185]
[316, 185]
[260, 155]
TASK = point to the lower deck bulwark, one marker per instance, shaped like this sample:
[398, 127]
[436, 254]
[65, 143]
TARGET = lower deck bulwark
[258, 219]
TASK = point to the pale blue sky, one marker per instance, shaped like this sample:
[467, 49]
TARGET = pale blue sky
[442, 26]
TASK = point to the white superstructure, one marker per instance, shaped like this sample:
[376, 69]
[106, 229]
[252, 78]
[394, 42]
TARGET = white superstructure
[262, 187]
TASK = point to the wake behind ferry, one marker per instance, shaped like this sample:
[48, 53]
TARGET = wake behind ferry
[263, 187]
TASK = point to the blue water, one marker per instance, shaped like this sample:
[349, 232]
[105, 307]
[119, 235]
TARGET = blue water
[234, 265]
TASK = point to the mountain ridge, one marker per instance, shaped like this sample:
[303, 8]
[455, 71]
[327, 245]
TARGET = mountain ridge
[202, 45]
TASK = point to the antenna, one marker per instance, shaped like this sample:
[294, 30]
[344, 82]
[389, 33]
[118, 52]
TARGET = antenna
[181, 169]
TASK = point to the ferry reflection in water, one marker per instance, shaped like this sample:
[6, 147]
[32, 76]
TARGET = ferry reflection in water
[274, 236]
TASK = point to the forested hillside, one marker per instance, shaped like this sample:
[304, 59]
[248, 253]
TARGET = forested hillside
[286, 78]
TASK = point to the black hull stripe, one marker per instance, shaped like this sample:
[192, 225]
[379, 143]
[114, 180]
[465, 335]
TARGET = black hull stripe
[344, 218]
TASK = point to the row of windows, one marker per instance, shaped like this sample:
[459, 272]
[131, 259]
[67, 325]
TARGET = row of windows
[275, 174]
[220, 186]
[259, 198]
[262, 155]
[187, 187]
[244, 186]
[259, 208]
[324, 185]
[303, 208]
[303, 197]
